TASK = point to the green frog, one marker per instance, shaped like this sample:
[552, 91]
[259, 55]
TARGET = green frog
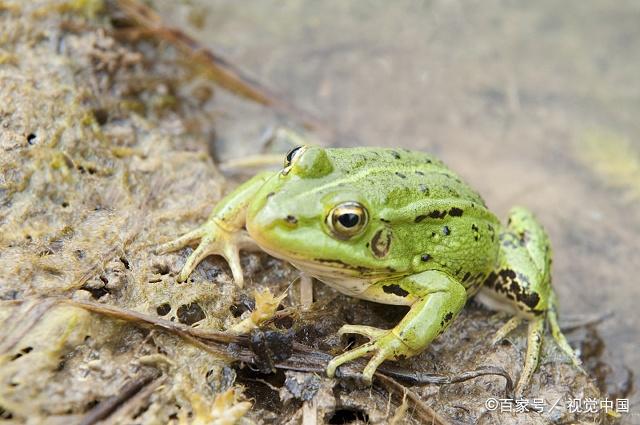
[395, 227]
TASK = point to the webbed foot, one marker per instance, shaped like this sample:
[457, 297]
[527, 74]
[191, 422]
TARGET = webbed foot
[557, 334]
[535, 335]
[213, 240]
[384, 344]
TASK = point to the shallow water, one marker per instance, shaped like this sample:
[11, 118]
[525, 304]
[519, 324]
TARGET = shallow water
[535, 104]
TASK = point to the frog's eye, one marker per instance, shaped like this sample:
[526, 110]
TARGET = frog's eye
[293, 153]
[347, 219]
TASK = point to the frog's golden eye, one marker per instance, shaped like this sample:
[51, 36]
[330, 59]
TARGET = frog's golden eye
[347, 219]
[292, 154]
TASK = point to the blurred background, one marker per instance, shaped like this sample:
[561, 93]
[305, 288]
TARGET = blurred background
[534, 103]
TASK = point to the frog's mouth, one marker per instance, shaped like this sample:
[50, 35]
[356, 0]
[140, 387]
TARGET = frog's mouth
[320, 266]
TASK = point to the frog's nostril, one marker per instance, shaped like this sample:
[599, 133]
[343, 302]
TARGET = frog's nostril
[291, 219]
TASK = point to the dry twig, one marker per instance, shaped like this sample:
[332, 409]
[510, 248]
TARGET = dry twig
[109, 405]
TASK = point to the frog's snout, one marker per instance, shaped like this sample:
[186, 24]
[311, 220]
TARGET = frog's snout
[268, 217]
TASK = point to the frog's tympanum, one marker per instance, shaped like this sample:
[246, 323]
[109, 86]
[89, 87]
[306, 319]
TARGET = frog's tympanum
[394, 227]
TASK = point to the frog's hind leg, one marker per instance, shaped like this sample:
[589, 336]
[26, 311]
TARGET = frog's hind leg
[535, 333]
[556, 332]
[521, 284]
[505, 330]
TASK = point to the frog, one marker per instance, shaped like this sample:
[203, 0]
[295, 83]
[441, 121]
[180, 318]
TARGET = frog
[396, 227]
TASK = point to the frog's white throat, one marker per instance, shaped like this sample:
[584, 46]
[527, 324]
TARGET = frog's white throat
[346, 283]
[344, 280]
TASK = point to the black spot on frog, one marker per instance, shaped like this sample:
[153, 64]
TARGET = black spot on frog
[395, 290]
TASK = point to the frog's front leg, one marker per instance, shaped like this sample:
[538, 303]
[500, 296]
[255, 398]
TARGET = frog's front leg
[438, 299]
[222, 233]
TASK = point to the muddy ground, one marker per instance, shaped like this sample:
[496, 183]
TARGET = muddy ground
[109, 145]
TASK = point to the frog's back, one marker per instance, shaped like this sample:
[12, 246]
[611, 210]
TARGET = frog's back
[435, 219]
[401, 168]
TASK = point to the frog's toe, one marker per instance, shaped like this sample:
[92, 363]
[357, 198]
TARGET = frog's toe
[348, 356]
[368, 331]
[206, 247]
[181, 242]
[386, 345]
[232, 255]
[219, 243]
[214, 240]
[513, 323]
[382, 354]
[561, 340]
